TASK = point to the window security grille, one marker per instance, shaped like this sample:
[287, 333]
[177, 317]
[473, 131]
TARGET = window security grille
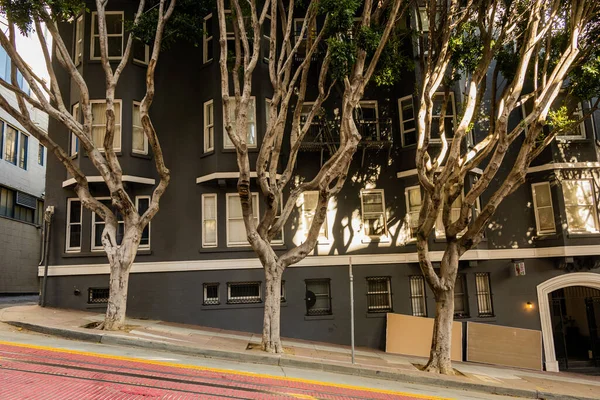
[211, 294]
[318, 297]
[243, 293]
[484, 295]
[417, 296]
[26, 200]
[379, 294]
[98, 295]
[461, 302]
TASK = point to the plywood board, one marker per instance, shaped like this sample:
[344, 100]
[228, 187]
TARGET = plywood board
[412, 336]
[503, 345]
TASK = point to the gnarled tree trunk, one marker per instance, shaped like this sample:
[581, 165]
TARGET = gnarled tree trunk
[117, 299]
[271, 341]
[439, 357]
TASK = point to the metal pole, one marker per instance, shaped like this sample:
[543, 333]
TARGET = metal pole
[351, 307]
[48, 219]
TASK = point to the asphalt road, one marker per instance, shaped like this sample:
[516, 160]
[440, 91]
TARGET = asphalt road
[34, 366]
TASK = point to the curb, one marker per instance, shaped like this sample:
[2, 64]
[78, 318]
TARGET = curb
[286, 361]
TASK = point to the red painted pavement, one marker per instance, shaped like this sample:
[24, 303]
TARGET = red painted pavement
[28, 372]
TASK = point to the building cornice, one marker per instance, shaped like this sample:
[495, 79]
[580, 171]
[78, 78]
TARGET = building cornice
[325, 261]
[554, 166]
[225, 175]
[126, 178]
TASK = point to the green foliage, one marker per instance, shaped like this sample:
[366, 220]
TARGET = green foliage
[585, 79]
[507, 62]
[393, 61]
[466, 47]
[186, 23]
[560, 120]
[343, 57]
[23, 13]
[341, 15]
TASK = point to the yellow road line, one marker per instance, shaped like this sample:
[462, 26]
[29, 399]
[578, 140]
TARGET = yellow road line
[220, 370]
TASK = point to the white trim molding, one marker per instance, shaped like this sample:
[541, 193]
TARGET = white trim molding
[325, 261]
[588, 279]
[553, 166]
[411, 172]
[226, 175]
[126, 178]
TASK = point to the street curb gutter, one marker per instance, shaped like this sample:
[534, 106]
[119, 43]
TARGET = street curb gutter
[285, 361]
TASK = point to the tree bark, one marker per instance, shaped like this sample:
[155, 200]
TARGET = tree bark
[271, 341]
[439, 357]
[117, 299]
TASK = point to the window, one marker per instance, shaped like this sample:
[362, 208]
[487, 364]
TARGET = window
[209, 126]
[142, 203]
[211, 294]
[461, 300]
[266, 43]
[74, 141]
[318, 297]
[236, 230]
[580, 206]
[207, 48]
[140, 51]
[98, 295]
[114, 33]
[307, 39]
[23, 150]
[373, 213]
[99, 124]
[368, 120]
[422, 23]
[74, 214]
[278, 238]
[542, 205]
[251, 138]
[98, 226]
[484, 294]
[438, 102]
[209, 220]
[7, 202]
[78, 52]
[417, 296]
[440, 230]
[413, 208]
[139, 139]
[408, 129]
[41, 149]
[11, 138]
[379, 294]
[243, 293]
[308, 208]
[578, 132]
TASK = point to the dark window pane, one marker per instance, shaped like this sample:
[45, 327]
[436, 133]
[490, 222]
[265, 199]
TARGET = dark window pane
[75, 237]
[115, 46]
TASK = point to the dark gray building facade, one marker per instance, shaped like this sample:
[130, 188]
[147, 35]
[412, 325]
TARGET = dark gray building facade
[193, 266]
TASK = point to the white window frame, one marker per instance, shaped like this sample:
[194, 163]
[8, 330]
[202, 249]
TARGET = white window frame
[362, 212]
[204, 219]
[324, 233]
[594, 207]
[94, 35]
[209, 129]
[253, 121]
[388, 282]
[310, 35]
[441, 234]
[539, 230]
[205, 298]
[79, 35]
[577, 113]
[409, 213]
[94, 223]
[73, 139]
[245, 299]
[277, 216]
[146, 59]
[403, 131]
[68, 248]
[449, 135]
[120, 125]
[374, 105]
[145, 151]
[208, 36]
[137, 202]
[421, 298]
[256, 211]
[320, 311]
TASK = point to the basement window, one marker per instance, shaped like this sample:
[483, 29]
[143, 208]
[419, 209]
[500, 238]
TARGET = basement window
[211, 294]
[98, 295]
[243, 293]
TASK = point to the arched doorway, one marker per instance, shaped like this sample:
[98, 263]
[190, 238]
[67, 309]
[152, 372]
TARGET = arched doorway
[552, 300]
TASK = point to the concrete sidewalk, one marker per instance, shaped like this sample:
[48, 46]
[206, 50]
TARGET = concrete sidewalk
[244, 347]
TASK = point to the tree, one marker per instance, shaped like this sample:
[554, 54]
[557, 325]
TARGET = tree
[29, 17]
[503, 54]
[340, 53]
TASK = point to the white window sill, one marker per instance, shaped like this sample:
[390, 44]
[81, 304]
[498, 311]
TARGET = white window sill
[376, 239]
